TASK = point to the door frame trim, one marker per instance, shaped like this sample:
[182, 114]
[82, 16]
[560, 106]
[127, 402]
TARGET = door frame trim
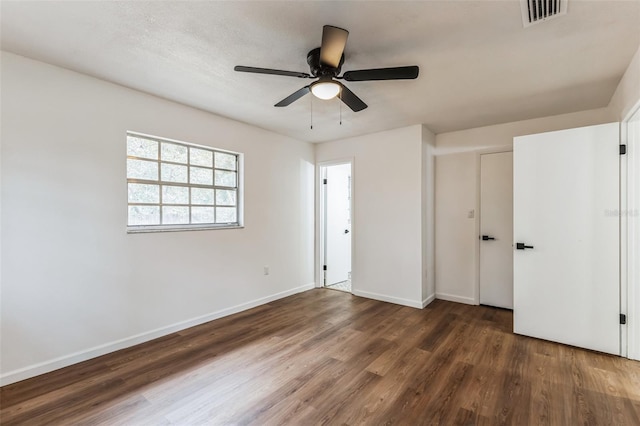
[629, 285]
[476, 257]
[320, 222]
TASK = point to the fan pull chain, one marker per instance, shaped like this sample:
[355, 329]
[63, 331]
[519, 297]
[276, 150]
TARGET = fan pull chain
[340, 98]
[311, 119]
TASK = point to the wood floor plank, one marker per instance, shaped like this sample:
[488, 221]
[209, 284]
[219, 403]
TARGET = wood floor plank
[328, 357]
[386, 392]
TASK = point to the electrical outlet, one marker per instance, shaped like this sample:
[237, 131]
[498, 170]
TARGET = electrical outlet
[471, 214]
[266, 270]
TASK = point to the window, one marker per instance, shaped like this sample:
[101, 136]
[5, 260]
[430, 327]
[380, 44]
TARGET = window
[176, 186]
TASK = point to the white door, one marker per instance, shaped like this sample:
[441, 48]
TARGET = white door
[566, 270]
[337, 223]
[496, 229]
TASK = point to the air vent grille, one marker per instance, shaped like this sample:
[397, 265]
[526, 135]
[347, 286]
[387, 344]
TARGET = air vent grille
[536, 11]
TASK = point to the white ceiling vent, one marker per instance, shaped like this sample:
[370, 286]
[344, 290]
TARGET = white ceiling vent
[536, 11]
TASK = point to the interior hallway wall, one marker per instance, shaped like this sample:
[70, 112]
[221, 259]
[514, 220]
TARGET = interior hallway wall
[388, 261]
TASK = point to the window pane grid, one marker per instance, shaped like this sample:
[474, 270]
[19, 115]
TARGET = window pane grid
[214, 174]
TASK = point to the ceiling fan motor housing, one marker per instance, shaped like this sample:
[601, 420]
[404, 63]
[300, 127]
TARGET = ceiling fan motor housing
[319, 70]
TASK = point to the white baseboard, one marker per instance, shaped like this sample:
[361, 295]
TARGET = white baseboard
[428, 300]
[457, 299]
[390, 299]
[74, 358]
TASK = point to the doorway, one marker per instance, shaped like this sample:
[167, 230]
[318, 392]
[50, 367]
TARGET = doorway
[496, 230]
[336, 220]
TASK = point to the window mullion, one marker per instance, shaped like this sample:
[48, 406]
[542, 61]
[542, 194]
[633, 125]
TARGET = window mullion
[189, 181]
[161, 205]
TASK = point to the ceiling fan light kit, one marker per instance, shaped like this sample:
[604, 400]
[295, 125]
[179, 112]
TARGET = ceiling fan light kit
[325, 64]
[325, 89]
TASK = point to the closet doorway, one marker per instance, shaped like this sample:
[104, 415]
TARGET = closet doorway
[496, 230]
[337, 236]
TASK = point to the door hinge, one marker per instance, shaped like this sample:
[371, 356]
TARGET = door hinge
[324, 267]
[324, 181]
[623, 149]
[623, 319]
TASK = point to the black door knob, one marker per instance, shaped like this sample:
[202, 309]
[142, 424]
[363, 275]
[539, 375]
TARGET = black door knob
[487, 238]
[522, 246]
[346, 231]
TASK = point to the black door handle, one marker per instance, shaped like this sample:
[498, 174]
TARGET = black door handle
[522, 246]
[487, 238]
[346, 231]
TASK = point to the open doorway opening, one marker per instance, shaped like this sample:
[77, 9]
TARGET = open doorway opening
[336, 220]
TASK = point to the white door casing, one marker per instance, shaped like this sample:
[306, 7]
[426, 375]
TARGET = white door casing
[566, 195]
[630, 218]
[337, 223]
[496, 229]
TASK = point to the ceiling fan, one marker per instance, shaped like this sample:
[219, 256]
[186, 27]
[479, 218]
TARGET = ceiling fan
[325, 63]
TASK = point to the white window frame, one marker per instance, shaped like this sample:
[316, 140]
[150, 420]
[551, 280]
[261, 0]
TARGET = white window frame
[190, 226]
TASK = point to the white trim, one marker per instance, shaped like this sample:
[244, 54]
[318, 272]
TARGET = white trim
[390, 299]
[146, 229]
[631, 112]
[96, 351]
[428, 300]
[457, 299]
[629, 242]
[624, 242]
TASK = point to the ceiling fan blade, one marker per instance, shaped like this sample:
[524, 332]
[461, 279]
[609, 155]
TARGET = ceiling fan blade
[334, 40]
[397, 73]
[270, 71]
[293, 97]
[350, 99]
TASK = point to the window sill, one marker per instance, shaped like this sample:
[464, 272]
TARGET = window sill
[161, 228]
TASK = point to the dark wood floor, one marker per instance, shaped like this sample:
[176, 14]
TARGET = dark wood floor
[328, 357]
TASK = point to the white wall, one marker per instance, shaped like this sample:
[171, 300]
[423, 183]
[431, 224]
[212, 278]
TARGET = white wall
[428, 216]
[627, 93]
[387, 212]
[501, 135]
[456, 194]
[74, 283]
[455, 230]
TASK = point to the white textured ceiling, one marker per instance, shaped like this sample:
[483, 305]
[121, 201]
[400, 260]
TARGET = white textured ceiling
[478, 65]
